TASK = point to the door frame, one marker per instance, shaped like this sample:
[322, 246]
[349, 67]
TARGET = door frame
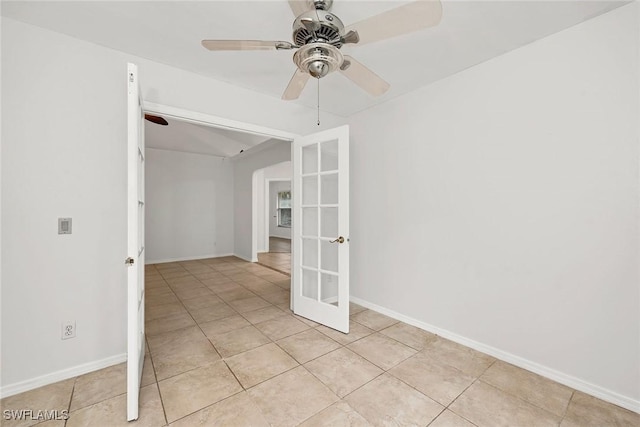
[267, 211]
[216, 121]
[261, 211]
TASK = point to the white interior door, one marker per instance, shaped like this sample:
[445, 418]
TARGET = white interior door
[135, 247]
[321, 227]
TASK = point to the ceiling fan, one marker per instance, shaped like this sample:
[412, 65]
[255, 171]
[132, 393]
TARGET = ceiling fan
[318, 36]
[156, 119]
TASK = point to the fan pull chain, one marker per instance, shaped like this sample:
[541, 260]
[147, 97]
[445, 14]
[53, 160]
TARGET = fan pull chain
[318, 101]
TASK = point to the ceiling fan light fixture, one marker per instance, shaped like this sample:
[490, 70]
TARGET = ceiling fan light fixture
[318, 69]
[318, 59]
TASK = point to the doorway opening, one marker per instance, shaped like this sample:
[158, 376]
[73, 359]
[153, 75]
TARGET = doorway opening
[202, 151]
[274, 201]
[198, 185]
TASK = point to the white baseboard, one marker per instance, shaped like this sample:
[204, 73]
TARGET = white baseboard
[248, 259]
[64, 374]
[560, 377]
[190, 258]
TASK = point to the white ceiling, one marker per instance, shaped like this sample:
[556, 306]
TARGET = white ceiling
[193, 138]
[170, 32]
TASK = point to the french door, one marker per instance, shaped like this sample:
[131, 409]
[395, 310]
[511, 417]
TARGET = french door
[320, 274]
[135, 242]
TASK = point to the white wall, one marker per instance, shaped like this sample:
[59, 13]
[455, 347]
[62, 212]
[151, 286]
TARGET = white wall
[281, 171]
[64, 155]
[500, 206]
[247, 207]
[274, 188]
[189, 206]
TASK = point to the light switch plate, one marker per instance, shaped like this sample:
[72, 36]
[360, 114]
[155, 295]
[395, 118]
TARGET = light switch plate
[64, 225]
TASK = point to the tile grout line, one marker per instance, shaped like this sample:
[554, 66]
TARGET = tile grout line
[315, 358]
[73, 389]
[520, 398]
[535, 405]
[445, 407]
[328, 389]
[566, 410]
[98, 402]
[208, 406]
[437, 416]
[157, 383]
[345, 346]
[469, 386]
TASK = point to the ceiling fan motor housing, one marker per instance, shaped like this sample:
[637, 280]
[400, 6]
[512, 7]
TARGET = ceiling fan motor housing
[319, 33]
[318, 26]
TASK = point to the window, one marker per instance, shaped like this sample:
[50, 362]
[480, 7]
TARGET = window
[284, 209]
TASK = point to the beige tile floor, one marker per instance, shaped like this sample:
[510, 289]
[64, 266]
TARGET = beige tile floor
[279, 244]
[279, 255]
[224, 350]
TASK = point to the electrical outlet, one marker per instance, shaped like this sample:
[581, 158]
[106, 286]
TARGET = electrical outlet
[68, 330]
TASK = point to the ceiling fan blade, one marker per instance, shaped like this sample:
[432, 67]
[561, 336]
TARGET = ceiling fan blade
[156, 119]
[298, 7]
[363, 77]
[401, 20]
[246, 45]
[297, 83]
[310, 24]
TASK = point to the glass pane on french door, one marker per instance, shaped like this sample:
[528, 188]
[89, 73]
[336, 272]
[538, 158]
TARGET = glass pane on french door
[320, 191]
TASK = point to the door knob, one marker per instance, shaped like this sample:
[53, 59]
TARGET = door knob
[338, 240]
